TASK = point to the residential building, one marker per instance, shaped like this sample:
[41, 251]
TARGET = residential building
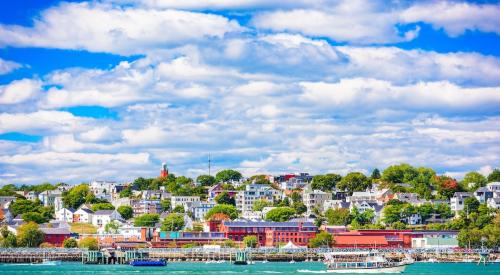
[494, 186]
[457, 201]
[214, 191]
[364, 206]
[253, 192]
[65, 214]
[315, 199]
[297, 182]
[493, 203]
[155, 195]
[102, 189]
[252, 215]
[29, 195]
[141, 207]
[184, 201]
[5, 215]
[48, 198]
[102, 217]
[6, 200]
[482, 194]
[83, 215]
[200, 209]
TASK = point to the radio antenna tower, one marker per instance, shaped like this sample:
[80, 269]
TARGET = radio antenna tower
[209, 163]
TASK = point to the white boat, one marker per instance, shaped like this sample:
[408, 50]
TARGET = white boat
[292, 261]
[48, 262]
[370, 262]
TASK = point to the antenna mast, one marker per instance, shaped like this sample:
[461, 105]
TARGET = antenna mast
[209, 162]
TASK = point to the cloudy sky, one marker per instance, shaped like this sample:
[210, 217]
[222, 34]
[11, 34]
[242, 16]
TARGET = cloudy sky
[110, 89]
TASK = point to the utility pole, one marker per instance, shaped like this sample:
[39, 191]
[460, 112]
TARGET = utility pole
[209, 163]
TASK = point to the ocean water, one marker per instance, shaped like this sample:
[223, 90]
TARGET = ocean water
[303, 268]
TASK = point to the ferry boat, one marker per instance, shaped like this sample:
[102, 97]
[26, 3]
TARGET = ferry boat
[370, 262]
[148, 262]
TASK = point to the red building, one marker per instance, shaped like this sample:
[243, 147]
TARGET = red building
[55, 236]
[374, 238]
[270, 233]
[164, 170]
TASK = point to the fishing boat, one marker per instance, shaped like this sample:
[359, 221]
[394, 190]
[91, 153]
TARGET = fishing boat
[148, 262]
[362, 262]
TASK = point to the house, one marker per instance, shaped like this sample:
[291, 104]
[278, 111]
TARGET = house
[215, 190]
[48, 197]
[6, 200]
[102, 217]
[65, 214]
[55, 236]
[102, 189]
[362, 196]
[141, 207]
[493, 203]
[336, 204]
[482, 194]
[155, 195]
[363, 206]
[83, 215]
[493, 186]
[315, 199]
[457, 201]
[252, 215]
[411, 198]
[5, 215]
[29, 195]
[117, 202]
[297, 182]
[184, 201]
[200, 209]
[434, 239]
[253, 192]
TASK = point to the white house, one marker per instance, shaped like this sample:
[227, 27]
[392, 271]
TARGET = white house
[493, 186]
[185, 201]
[65, 214]
[457, 201]
[48, 198]
[315, 199]
[493, 203]
[253, 192]
[83, 215]
[102, 217]
[102, 189]
[200, 209]
[363, 206]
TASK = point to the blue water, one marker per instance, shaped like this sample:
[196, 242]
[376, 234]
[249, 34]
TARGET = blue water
[226, 268]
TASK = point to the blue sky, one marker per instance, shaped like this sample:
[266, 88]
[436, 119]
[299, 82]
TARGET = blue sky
[109, 89]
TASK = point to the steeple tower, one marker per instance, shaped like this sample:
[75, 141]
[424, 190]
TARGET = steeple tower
[164, 170]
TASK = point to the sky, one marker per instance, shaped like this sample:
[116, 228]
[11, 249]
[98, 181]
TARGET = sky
[110, 89]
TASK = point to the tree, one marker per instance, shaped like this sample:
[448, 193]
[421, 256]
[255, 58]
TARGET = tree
[326, 182]
[259, 204]
[102, 206]
[179, 209]
[77, 196]
[112, 227]
[473, 180]
[322, 239]
[296, 197]
[29, 235]
[227, 209]
[173, 222]
[225, 198]
[70, 243]
[375, 174]
[339, 216]
[8, 239]
[398, 225]
[228, 175]
[125, 211]
[21, 206]
[205, 180]
[166, 204]
[126, 192]
[361, 218]
[280, 214]
[393, 213]
[250, 241]
[471, 204]
[258, 179]
[401, 173]
[90, 243]
[300, 207]
[142, 183]
[354, 181]
[148, 220]
[34, 217]
[494, 176]
[446, 186]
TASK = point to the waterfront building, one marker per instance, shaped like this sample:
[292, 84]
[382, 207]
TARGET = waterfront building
[270, 233]
[373, 238]
[434, 239]
[179, 238]
[55, 236]
[253, 192]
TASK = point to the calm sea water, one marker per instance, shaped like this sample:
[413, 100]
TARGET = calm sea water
[226, 268]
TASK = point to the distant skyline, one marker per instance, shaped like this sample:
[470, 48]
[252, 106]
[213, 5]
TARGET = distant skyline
[110, 89]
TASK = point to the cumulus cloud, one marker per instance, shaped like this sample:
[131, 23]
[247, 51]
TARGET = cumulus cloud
[455, 17]
[7, 66]
[106, 28]
[19, 91]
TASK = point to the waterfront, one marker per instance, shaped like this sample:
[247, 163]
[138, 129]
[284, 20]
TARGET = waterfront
[226, 268]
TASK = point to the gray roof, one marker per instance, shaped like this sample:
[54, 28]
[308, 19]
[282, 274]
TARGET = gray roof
[86, 210]
[55, 231]
[104, 212]
[266, 224]
[483, 189]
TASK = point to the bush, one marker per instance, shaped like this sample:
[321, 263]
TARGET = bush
[125, 211]
[46, 245]
[280, 214]
[148, 220]
[228, 209]
[250, 241]
[89, 243]
[321, 240]
[70, 243]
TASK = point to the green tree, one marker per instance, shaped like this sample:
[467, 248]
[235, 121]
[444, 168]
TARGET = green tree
[179, 209]
[296, 197]
[7, 238]
[473, 180]
[471, 204]
[225, 198]
[339, 216]
[112, 227]
[126, 192]
[250, 241]
[361, 218]
[445, 185]
[77, 196]
[375, 174]
[393, 213]
[354, 181]
[125, 211]
[259, 204]
[102, 206]
[398, 225]
[34, 217]
[166, 204]
[280, 214]
[401, 173]
[173, 222]
[322, 239]
[89, 243]
[148, 220]
[29, 235]
[205, 180]
[142, 183]
[228, 175]
[258, 179]
[494, 176]
[228, 209]
[70, 243]
[326, 182]
[21, 206]
[300, 207]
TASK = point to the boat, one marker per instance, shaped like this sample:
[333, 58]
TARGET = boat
[48, 262]
[362, 262]
[148, 262]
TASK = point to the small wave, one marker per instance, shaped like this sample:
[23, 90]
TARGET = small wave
[271, 272]
[312, 271]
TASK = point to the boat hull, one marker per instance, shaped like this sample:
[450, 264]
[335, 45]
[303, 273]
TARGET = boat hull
[392, 269]
[147, 263]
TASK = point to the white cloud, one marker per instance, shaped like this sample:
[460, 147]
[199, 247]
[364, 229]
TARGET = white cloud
[455, 17]
[217, 4]
[19, 91]
[105, 28]
[7, 66]
[152, 135]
